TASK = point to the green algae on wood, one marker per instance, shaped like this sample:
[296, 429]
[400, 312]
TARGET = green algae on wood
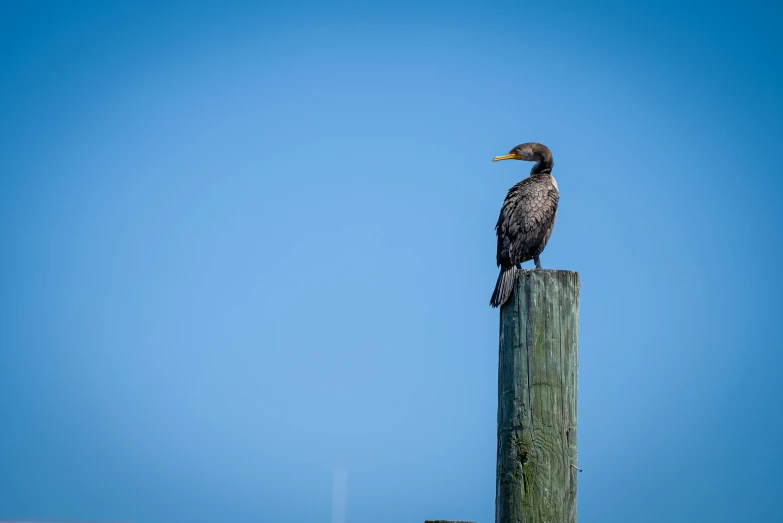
[537, 400]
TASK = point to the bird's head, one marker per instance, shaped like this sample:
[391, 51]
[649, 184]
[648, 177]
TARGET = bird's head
[531, 152]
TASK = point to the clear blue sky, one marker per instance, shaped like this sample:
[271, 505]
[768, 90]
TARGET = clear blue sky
[244, 245]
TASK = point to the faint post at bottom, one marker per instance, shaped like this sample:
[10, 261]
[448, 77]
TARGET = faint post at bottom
[339, 495]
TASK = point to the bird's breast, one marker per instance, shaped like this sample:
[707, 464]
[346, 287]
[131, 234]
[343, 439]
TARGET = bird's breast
[554, 183]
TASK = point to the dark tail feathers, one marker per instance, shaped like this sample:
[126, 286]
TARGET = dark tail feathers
[504, 287]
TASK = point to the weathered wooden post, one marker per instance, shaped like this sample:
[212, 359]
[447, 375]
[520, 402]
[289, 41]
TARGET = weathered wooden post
[537, 385]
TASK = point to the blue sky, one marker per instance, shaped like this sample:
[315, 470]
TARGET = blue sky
[243, 245]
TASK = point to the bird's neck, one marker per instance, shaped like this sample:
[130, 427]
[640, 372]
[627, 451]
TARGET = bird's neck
[541, 168]
[544, 164]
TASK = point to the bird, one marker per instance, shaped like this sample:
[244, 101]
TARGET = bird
[527, 217]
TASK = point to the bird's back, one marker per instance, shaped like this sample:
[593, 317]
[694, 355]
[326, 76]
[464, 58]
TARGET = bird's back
[526, 219]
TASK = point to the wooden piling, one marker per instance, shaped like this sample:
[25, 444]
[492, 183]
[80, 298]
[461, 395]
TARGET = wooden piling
[537, 400]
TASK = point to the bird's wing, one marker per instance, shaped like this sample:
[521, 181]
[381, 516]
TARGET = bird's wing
[525, 220]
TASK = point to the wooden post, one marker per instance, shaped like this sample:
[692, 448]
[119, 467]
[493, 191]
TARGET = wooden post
[537, 384]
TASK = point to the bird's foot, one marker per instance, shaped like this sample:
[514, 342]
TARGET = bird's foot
[537, 262]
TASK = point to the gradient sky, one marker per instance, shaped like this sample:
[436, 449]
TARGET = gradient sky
[245, 245]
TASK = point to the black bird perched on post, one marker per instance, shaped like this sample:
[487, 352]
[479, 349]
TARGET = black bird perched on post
[526, 218]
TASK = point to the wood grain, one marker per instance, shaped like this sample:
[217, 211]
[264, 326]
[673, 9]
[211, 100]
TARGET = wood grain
[537, 400]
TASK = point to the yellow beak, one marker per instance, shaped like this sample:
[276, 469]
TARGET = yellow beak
[507, 157]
